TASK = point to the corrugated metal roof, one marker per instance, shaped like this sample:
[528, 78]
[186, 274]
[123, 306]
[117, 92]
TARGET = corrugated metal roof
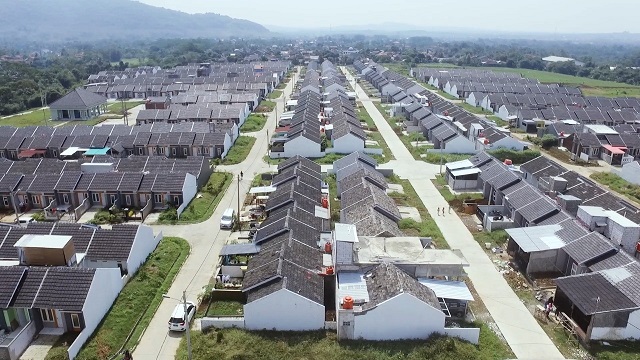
[445, 289]
[465, 172]
[236, 249]
[537, 238]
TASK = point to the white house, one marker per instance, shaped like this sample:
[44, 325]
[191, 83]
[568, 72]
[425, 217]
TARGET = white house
[393, 306]
[630, 172]
[303, 144]
[284, 310]
[347, 138]
[492, 139]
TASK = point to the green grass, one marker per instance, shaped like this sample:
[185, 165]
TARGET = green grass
[90, 122]
[498, 237]
[427, 227]
[271, 161]
[240, 150]
[383, 109]
[255, 122]
[446, 96]
[387, 155]
[225, 308]
[329, 158]
[201, 208]
[139, 298]
[133, 62]
[266, 106]
[274, 94]
[34, 118]
[116, 107]
[497, 120]
[59, 349]
[454, 200]
[334, 203]
[435, 157]
[475, 109]
[618, 184]
[230, 344]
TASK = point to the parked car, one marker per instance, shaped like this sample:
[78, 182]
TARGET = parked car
[24, 220]
[228, 219]
[177, 321]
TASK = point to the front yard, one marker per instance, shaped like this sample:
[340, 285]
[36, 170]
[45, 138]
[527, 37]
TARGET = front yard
[255, 122]
[239, 151]
[135, 306]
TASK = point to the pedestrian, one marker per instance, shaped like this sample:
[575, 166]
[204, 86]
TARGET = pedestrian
[449, 208]
[127, 355]
[443, 211]
[241, 175]
[438, 211]
[548, 306]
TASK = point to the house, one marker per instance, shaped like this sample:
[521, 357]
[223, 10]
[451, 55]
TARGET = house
[493, 138]
[462, 175]
[78, 104]
[387, 295]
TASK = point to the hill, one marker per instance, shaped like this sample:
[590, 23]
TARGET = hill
[83, 20]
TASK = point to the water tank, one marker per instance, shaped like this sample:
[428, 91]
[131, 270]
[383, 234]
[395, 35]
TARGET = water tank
[638, 247]
[325, 203]
[327, 247]
[508, 162]
[347, 303]
[329, 270]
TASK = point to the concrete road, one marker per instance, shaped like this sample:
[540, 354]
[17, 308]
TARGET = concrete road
[518, 326]
[206, 240]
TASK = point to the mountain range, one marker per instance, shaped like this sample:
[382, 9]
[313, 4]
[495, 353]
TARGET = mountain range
[90, 20]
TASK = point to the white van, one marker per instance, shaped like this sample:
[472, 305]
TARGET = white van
[228, 219]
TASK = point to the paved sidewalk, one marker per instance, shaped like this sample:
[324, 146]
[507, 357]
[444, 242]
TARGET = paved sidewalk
[518, 326]
[206, 240]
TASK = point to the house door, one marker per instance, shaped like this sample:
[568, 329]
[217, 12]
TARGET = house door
[50, 318]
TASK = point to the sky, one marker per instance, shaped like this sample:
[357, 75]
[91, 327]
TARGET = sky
[549, 16]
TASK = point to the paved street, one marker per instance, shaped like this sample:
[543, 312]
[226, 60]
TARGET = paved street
[206, 240]
[518, 326]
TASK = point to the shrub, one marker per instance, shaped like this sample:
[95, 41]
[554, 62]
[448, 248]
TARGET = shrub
[517, 157]
[170, 214]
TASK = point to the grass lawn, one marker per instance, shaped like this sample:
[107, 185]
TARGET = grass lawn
[334, 203]
[133, 62]
[239, 151]
[255, 122]
[225, 308]
[497, 237]
[271, 161]
[329, 158]
[316, 345]
[137, 301]
[387, 155]
[497, 120]
[266, 106]
[34, 118]
[441, 185]
[437, 158]
[383, 109]
[565, 157]
[59, 349]
[618, 184]
[116, 107]
[474, 109]
[201, 208]
[274, 94]
[427, 227]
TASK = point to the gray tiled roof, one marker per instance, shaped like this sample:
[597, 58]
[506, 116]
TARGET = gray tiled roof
[588, 247]
[386, 281]
[583, 290]
[64, 289]
[10, 277]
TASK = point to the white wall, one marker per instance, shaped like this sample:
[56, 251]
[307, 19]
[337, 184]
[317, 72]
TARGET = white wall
[459, 145]
[631, 172]
[607, 333]
[509, 143]
[401, 317]
[633, 326]
[143, 244]
[22, 341]
[104, 290]
[228, 142]
[222, 322]
[189, 191]
[285, 311]
[303, 147]
[469, 334]
[347, 144]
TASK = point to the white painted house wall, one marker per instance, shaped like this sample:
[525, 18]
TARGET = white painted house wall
[458, 145]
[401, 317]
[284, 310]
[303, 147]
[631, 172]
[227, 145]
[143, 244]
[347, 144]
[104, 290]
[189, 191]
[509, 143]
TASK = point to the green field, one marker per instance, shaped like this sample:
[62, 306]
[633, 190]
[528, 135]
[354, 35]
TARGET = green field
[33, 118]
[133, 62]
[255, 122]
[239, 151]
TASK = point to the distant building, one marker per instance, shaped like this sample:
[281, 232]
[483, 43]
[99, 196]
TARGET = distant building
[79, 104]
[555, 59]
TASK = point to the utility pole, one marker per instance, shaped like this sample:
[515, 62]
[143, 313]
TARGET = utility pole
[441, 157]
[186, 314]
[15, 207]
[238, 201]
[576, 143]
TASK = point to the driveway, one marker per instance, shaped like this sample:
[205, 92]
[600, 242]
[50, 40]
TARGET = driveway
[518, 326]
[206, 240]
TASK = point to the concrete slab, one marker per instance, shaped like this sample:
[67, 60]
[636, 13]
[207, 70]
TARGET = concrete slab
[421, 143]
[409, 212]
[39, 347]
[88, 216]
[371, 143]
[152, 218]
[395, 188]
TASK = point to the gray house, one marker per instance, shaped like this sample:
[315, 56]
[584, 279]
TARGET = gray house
[79, 104]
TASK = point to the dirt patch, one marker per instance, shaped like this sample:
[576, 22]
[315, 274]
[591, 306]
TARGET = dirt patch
[470, 221]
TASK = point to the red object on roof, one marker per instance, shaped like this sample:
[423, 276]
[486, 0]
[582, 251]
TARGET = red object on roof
[283, 129]
[615, 150]
[30, 153]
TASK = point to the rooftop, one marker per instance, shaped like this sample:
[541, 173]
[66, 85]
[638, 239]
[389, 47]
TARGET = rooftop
[43, 241]
[404, 250]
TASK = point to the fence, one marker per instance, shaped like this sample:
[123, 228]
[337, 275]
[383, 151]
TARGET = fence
[80, 210]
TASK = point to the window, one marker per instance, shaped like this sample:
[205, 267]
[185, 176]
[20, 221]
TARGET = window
[154, 150]
[127, 199]
[206, 150]
[65, 198]
[157, 198]
[574, 269]
[54, 153]
[2, 154]
[140, 152]
[346, 323]
[176, 200]
[95, 197]
[219, 151]
[35, 199]
[112, 199]
[173, 151]
[5, 201]
[48, 315]
[85, 195]
[75, 321]
[185, 151]
[199, 151]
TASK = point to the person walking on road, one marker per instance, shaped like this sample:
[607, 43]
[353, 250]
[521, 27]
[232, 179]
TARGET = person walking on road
[438, 211]
[443, 211]
[241, 175]
[127, 355]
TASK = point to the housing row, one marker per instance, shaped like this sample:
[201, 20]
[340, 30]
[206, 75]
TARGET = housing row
[62, 277]
[73, 142]
[563, 225]
[138, 183]
[323, 109]
[301, 275]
